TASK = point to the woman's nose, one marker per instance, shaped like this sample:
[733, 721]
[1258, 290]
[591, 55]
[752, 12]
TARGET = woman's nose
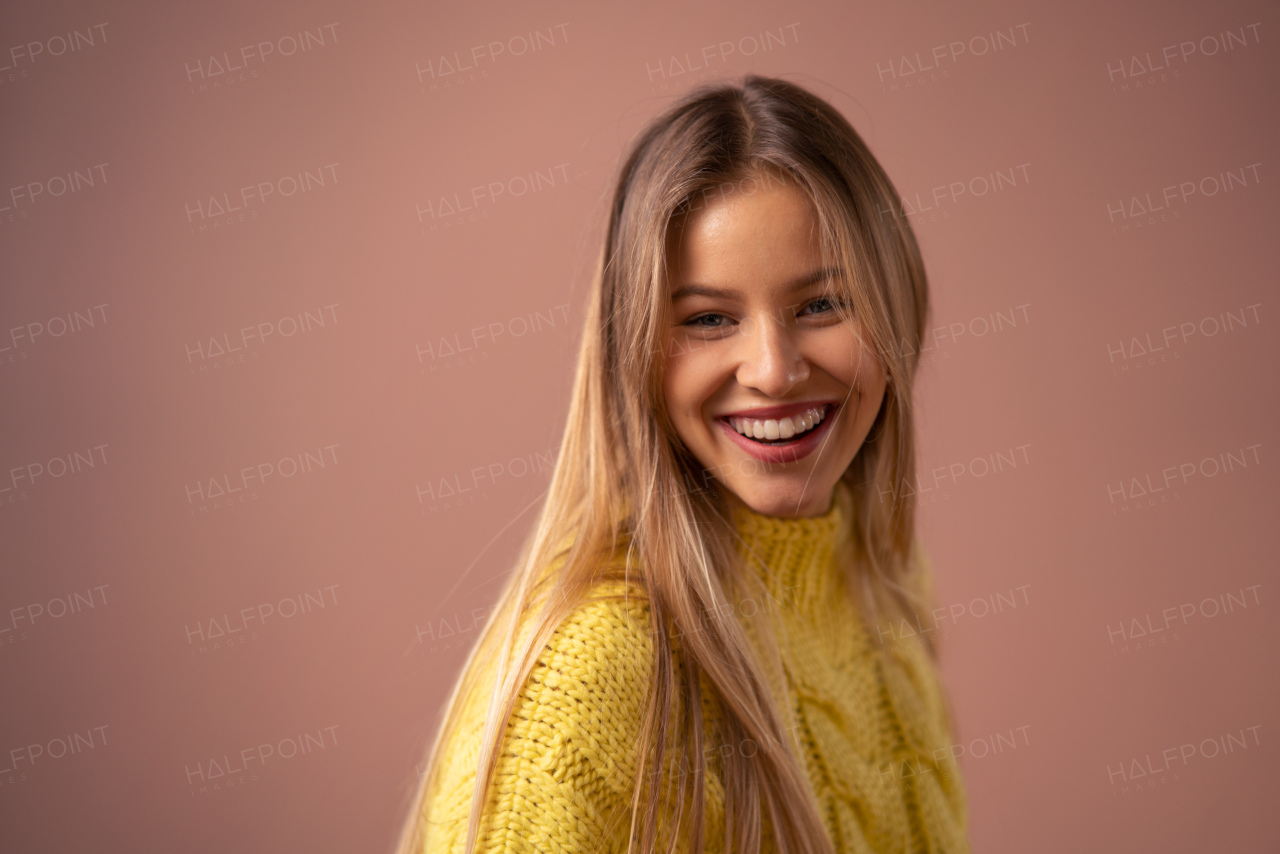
[771, 361]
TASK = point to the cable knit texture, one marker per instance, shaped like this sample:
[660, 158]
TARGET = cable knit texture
[872, 722]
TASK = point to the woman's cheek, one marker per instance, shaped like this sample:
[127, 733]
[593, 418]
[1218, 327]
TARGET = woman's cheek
[681, 402]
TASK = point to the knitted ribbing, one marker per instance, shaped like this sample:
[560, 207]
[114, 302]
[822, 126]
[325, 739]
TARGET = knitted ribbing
[871, 722]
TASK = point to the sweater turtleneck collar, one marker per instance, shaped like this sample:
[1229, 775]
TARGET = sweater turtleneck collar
[795, 557]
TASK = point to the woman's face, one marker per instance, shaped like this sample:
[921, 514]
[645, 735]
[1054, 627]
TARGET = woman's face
[755, 347]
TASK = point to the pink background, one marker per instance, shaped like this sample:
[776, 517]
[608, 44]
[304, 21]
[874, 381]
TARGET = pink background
[335, 581]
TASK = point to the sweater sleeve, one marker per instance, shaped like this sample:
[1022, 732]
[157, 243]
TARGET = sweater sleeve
[566, 768]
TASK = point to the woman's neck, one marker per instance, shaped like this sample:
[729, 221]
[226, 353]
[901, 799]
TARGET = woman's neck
[796, 557]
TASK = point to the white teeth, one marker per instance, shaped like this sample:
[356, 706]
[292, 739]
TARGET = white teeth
[784, 428]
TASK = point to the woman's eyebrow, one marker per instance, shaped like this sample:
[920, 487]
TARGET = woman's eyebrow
[729, 293]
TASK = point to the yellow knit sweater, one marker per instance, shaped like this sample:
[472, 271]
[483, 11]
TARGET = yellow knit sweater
[872, 722]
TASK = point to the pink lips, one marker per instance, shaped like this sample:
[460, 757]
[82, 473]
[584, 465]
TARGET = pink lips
[781, 454]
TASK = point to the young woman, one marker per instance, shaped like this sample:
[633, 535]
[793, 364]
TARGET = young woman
[705, 644]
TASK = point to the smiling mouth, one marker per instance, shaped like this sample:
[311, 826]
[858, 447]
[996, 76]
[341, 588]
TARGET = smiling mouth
[780, 431]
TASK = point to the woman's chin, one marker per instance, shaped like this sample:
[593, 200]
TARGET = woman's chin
[785, 499]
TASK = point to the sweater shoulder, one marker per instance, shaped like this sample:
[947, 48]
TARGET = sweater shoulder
[590, 682]
[609, 627]
[565, 770]
[604, 645]
[920, 572]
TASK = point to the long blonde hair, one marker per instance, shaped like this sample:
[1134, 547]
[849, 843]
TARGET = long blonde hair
[623, 475]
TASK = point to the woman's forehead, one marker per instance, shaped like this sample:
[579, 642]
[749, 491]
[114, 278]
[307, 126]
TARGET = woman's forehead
[771, 235]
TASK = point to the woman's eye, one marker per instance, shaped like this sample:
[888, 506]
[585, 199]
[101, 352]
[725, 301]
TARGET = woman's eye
[706, 321]
[823, 305]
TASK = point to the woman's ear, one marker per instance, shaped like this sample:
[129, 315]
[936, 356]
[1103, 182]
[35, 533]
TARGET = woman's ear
[877, 426]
